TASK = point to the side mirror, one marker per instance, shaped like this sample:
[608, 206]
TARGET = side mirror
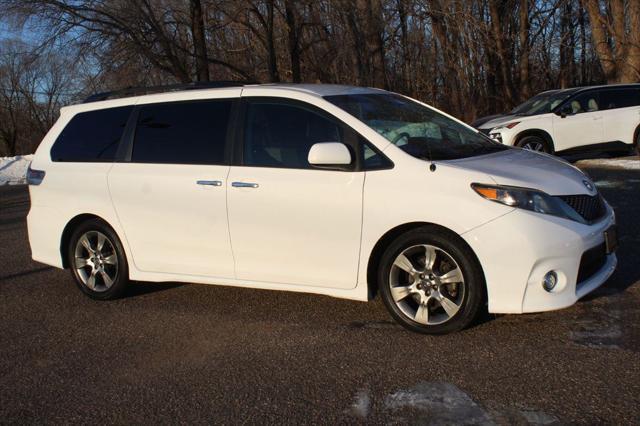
[327, 154]
[564, 110]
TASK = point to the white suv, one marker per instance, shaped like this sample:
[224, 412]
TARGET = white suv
[334, 190]
[572, 121]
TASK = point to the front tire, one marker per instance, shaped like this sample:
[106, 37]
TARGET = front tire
[431, 282]
[534, 143]
[97, 260]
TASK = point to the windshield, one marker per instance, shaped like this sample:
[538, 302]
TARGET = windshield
[543, 103]
[414, 128]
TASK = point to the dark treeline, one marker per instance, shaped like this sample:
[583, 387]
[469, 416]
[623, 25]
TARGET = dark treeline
[469, 58]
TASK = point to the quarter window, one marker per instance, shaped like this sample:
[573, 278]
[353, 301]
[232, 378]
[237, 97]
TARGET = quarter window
[182, 132]
[92, 136]
[620, 98]
[281, 135]
[372, 159]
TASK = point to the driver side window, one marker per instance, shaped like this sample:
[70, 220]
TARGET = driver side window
[280, 134]
[585, 102]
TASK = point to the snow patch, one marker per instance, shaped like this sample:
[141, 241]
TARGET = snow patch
[361, 404]
[614, 163]
[13, 170]
[438, 403]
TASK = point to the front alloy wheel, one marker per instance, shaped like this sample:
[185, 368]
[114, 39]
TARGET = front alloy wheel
[430, 281]
[534, 143]
[427, 284]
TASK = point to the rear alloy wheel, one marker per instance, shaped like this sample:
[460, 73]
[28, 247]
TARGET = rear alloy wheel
[97, 261]
[534, 143]
[430, 282]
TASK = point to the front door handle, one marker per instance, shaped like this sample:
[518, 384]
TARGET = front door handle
[244, 185]
[210, 182]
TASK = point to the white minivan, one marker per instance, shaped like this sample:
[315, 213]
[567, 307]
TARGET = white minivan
[334, 190]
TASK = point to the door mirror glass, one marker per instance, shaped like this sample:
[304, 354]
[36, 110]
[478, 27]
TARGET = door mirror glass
[329, 154]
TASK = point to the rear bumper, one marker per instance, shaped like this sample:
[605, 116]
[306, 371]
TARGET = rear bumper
[45, 226]
[519, 248]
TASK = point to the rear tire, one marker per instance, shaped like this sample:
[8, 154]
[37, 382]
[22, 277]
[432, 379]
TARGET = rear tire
[431, 282]
[534, 143]
[97, 260]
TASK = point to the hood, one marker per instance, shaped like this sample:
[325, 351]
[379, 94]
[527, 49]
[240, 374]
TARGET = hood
[480, 121]
[500, 120]
[519, 167]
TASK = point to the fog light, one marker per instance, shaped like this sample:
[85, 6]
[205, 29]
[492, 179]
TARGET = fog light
[550, 280]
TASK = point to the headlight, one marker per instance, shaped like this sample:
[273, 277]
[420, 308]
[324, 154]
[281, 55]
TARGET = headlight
[507, 126]
[528, 199]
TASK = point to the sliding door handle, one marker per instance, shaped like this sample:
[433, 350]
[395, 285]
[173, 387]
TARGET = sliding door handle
[210, 182]
[244, 185]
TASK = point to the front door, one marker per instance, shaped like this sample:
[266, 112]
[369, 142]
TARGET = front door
[583, 126]
[291, 223]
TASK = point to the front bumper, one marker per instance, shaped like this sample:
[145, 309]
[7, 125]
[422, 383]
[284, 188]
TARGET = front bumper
[503, 135]
[516, 251]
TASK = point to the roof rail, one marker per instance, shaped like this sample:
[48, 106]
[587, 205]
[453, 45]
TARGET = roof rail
[137, 91]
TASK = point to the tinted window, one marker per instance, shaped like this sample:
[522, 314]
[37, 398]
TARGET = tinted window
[585, 102]
[372, 159]
[91, 136]
[182, 133]
[620, 98]
[281, 135]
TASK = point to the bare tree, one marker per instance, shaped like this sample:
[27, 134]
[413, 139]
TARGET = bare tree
[616, 37]
[470, 57]
[199, 42]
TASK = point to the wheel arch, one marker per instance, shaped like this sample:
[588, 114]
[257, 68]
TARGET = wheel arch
[535, 132]
[636, 137]
[386, 239]
[70, 227]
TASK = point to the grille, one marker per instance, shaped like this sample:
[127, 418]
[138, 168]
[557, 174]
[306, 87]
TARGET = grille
[485, 131]
[591, 262]
[591, 208]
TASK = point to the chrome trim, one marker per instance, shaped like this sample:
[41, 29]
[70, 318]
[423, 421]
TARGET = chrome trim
[209, 182]
[244, 185]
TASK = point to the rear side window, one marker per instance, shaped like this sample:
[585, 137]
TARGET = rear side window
[182, 132]
[91, 136]
[620, 98]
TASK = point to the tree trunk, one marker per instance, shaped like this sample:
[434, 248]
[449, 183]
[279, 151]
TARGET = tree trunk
[371, 11]
[566, 47]
[632, 70]
[404, 41]
[359, 53]
[274, 76]
[199, 42]
[293, 39]
[496, 13]
[525, 84]
[583, 47]
[601, 40]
